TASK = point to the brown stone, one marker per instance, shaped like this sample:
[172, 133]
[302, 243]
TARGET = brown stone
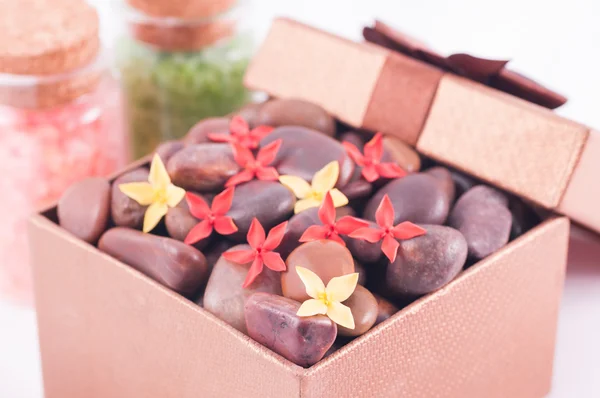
[250, 114]
[385, 309]
[272, 321]
[224, 295]
[171, 263]
[125, 211]
[84, 209]
[364, 310]
[199, 133]
[169, 148]
[397, 151]
[296, 112]
[203, 167]
[445, 180]
[325, 258]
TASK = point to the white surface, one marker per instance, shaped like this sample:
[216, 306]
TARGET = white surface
[554, 41]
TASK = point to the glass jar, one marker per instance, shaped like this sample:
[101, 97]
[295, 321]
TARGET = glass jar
[61, 120]
[178, 70]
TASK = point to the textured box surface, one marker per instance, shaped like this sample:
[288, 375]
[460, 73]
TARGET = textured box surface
[108, 331]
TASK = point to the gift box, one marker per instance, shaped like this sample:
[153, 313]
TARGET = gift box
[107, 330]
[502, 139]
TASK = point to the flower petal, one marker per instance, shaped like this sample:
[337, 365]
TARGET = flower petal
[312, 307]
[154, 213]
[238, 126]
[297, 185]
[267, 174]
[325, 179]
[374, 148]
[327, 210]
[141, 192]
[314, 232]
[267, 154]
[255, 270]
[275, 236]
[260, 132]
[390, 170]
[200, 231]
[256, 234]
[242, 155]
[198, 206]
[370, 173]
[336, 238]
[389, 247]
[221, 138]
[313, 284]
[348, 224]
[354, 153]
[341, 287]
[225, 225]
[222, 202]
[407, 230]
[174, 195]
[372, 235]
[341, 315]
[240, 256]
[159, 178]
[274, 261]
[385, 213]
[240, 178]
[304, 204]
[339, 199]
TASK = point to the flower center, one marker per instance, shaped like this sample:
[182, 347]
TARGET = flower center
[318, 196]
[323, 298]
[160, 196]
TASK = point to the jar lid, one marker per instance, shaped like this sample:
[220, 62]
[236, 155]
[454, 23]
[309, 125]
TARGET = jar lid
[185, 9]
[46, 37]
[178, 34]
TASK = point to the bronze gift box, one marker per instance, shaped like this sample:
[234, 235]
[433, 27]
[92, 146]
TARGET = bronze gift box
[106, 330]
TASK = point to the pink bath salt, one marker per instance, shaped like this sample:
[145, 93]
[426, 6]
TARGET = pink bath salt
[42, 152]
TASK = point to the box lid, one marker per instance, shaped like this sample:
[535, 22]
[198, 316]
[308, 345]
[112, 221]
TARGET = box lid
[506, 141]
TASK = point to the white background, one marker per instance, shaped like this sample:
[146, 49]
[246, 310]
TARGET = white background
[557, 42]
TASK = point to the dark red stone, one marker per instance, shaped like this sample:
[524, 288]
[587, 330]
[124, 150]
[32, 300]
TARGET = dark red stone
[272, 321]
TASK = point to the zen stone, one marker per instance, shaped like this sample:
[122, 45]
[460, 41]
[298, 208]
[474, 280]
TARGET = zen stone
[224, 295]
[203, 167]
[269, 201]
[362, 273]
[171, 263]
[214, 251]
[169, 148]
[199, 133]
[250, 114]
[397, 151]
[482, 216]
[272, 321]
[364, 310]
[84, 209]
[385, 309]
[296, 112]
[179, 222]
[295, 228]
[125, 211]
[462, 182]
[418, 198]
[325, 258]
[357, 189]
[445, 180]
[363, 251]
[305, 151]
[427, 263]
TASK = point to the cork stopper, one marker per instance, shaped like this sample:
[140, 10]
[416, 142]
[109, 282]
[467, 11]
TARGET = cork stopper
[43, 48]
[178, 34]
[184, 9]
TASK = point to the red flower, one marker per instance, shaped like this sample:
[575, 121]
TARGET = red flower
[212, 217]
[372, 168]
[255, 167]
[241, 134]
[387, 231]
[331, 229]
[262, 251]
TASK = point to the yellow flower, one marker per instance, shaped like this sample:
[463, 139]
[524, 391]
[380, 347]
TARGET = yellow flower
[328, 300]
[158, 194]
[312, 195]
